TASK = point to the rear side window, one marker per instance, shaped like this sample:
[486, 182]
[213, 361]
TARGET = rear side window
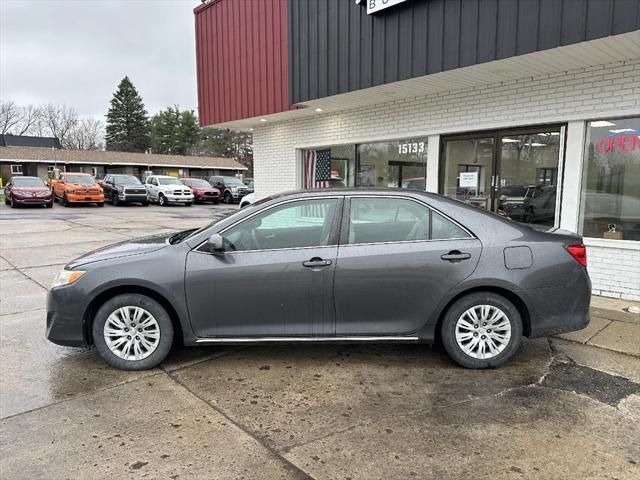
[381, 220]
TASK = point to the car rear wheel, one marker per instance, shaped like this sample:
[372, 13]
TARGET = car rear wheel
[132, 332]
[482, 330]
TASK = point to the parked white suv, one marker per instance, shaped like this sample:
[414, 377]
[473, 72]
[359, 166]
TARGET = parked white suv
[165, 190]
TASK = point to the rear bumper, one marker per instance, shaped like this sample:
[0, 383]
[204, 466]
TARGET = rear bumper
[559, 309]
[65, 326]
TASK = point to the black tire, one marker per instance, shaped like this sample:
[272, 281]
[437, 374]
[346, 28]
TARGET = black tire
[100, 204]
[135, 300]
[114, 199]
[162, 201]
[456, 310]
[65, 201]
[49, 205]
[215, 202]
[145, 203]
[228, 198]
[6, 200]
[188, 204]
[13, 203]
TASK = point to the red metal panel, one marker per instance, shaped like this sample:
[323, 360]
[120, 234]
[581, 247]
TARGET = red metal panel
[241, 59]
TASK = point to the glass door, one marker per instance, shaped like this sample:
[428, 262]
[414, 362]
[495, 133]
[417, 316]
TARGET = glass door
[514, 173]
[469, 170]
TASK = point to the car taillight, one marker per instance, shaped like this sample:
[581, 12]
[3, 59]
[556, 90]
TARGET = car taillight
[579, 252]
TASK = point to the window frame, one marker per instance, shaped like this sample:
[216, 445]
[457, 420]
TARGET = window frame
[334, 233]
[18, 166]
[346, 209]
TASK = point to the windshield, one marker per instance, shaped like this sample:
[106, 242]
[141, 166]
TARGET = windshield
[169, 181]
[200, 183]
[28, 182]
[82, 179]
[233, 182]
[126, 180]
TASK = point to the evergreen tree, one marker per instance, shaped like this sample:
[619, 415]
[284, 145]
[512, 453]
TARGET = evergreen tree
[127, 122]
[174, 132]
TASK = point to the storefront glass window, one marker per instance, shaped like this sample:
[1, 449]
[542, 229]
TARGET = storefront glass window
[610, 201]
[396, 164]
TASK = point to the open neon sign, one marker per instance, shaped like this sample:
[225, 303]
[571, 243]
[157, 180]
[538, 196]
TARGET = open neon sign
[620, 143]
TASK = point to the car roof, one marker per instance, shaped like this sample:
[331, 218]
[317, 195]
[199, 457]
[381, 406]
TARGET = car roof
[77, 173]
[23, 176]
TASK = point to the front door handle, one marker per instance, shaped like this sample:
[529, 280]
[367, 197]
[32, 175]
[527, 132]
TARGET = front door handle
[316, 262]
[455, 256]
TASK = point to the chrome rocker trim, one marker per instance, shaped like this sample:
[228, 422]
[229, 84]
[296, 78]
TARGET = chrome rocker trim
[308, 339]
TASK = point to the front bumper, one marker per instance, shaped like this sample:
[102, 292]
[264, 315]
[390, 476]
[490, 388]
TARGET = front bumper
[179, 198]
[204, 197]
[132, 197]
[85, 198]
[65, 322]
[33, 200]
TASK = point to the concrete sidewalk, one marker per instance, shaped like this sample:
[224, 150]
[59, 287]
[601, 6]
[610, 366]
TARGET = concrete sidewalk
[612, 326]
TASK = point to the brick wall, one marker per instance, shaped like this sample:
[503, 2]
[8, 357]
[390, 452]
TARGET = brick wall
[594, 92]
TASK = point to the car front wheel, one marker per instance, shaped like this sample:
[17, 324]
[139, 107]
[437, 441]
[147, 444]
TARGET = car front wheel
[228, 198]
[482, 330]
[132, 332]
[162, 201]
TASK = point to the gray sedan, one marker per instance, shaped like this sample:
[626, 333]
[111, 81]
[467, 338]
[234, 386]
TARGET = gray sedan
[337, 265]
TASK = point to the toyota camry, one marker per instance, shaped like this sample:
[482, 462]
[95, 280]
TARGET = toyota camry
[335, 265]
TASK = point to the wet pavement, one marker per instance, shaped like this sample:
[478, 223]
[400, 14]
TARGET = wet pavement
[559, 409]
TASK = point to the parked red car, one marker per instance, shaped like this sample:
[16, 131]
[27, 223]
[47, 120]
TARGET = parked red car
[202, 190]
[27, 191]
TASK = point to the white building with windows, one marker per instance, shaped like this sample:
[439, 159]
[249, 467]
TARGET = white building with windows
[535, 120]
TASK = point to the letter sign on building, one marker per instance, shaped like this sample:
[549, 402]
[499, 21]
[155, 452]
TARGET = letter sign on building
[374, 6]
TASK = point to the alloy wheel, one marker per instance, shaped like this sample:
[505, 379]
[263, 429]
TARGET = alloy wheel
[483, 331]
[131, 333]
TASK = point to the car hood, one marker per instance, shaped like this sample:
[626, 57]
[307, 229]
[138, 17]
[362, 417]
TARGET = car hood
[137, 246]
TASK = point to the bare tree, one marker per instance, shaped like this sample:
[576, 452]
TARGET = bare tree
[30, 115]
[60, 119]
[87, 134]
[10, 116]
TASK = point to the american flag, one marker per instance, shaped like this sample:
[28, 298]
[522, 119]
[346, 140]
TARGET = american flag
[317, 168]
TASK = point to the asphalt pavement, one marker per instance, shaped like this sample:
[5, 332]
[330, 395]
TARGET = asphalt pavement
[559, 409]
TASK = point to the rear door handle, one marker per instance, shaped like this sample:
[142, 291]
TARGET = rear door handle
[316, 262]
[455, 256]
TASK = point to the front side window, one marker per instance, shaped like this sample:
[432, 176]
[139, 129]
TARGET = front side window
[610, 201]
[382, 220]
[304, 223]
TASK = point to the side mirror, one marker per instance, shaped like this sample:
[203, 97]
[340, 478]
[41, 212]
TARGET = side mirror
[216, 242]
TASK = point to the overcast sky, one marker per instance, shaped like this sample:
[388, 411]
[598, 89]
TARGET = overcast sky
[75, 52]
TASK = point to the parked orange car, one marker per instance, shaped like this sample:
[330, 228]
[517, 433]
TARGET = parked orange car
[74, 187]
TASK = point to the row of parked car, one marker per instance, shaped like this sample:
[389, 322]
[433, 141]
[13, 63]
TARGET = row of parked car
[81, 188]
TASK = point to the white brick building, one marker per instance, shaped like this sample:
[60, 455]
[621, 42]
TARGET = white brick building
[550, 137]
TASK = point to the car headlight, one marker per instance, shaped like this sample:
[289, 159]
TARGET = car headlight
[66, 277]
